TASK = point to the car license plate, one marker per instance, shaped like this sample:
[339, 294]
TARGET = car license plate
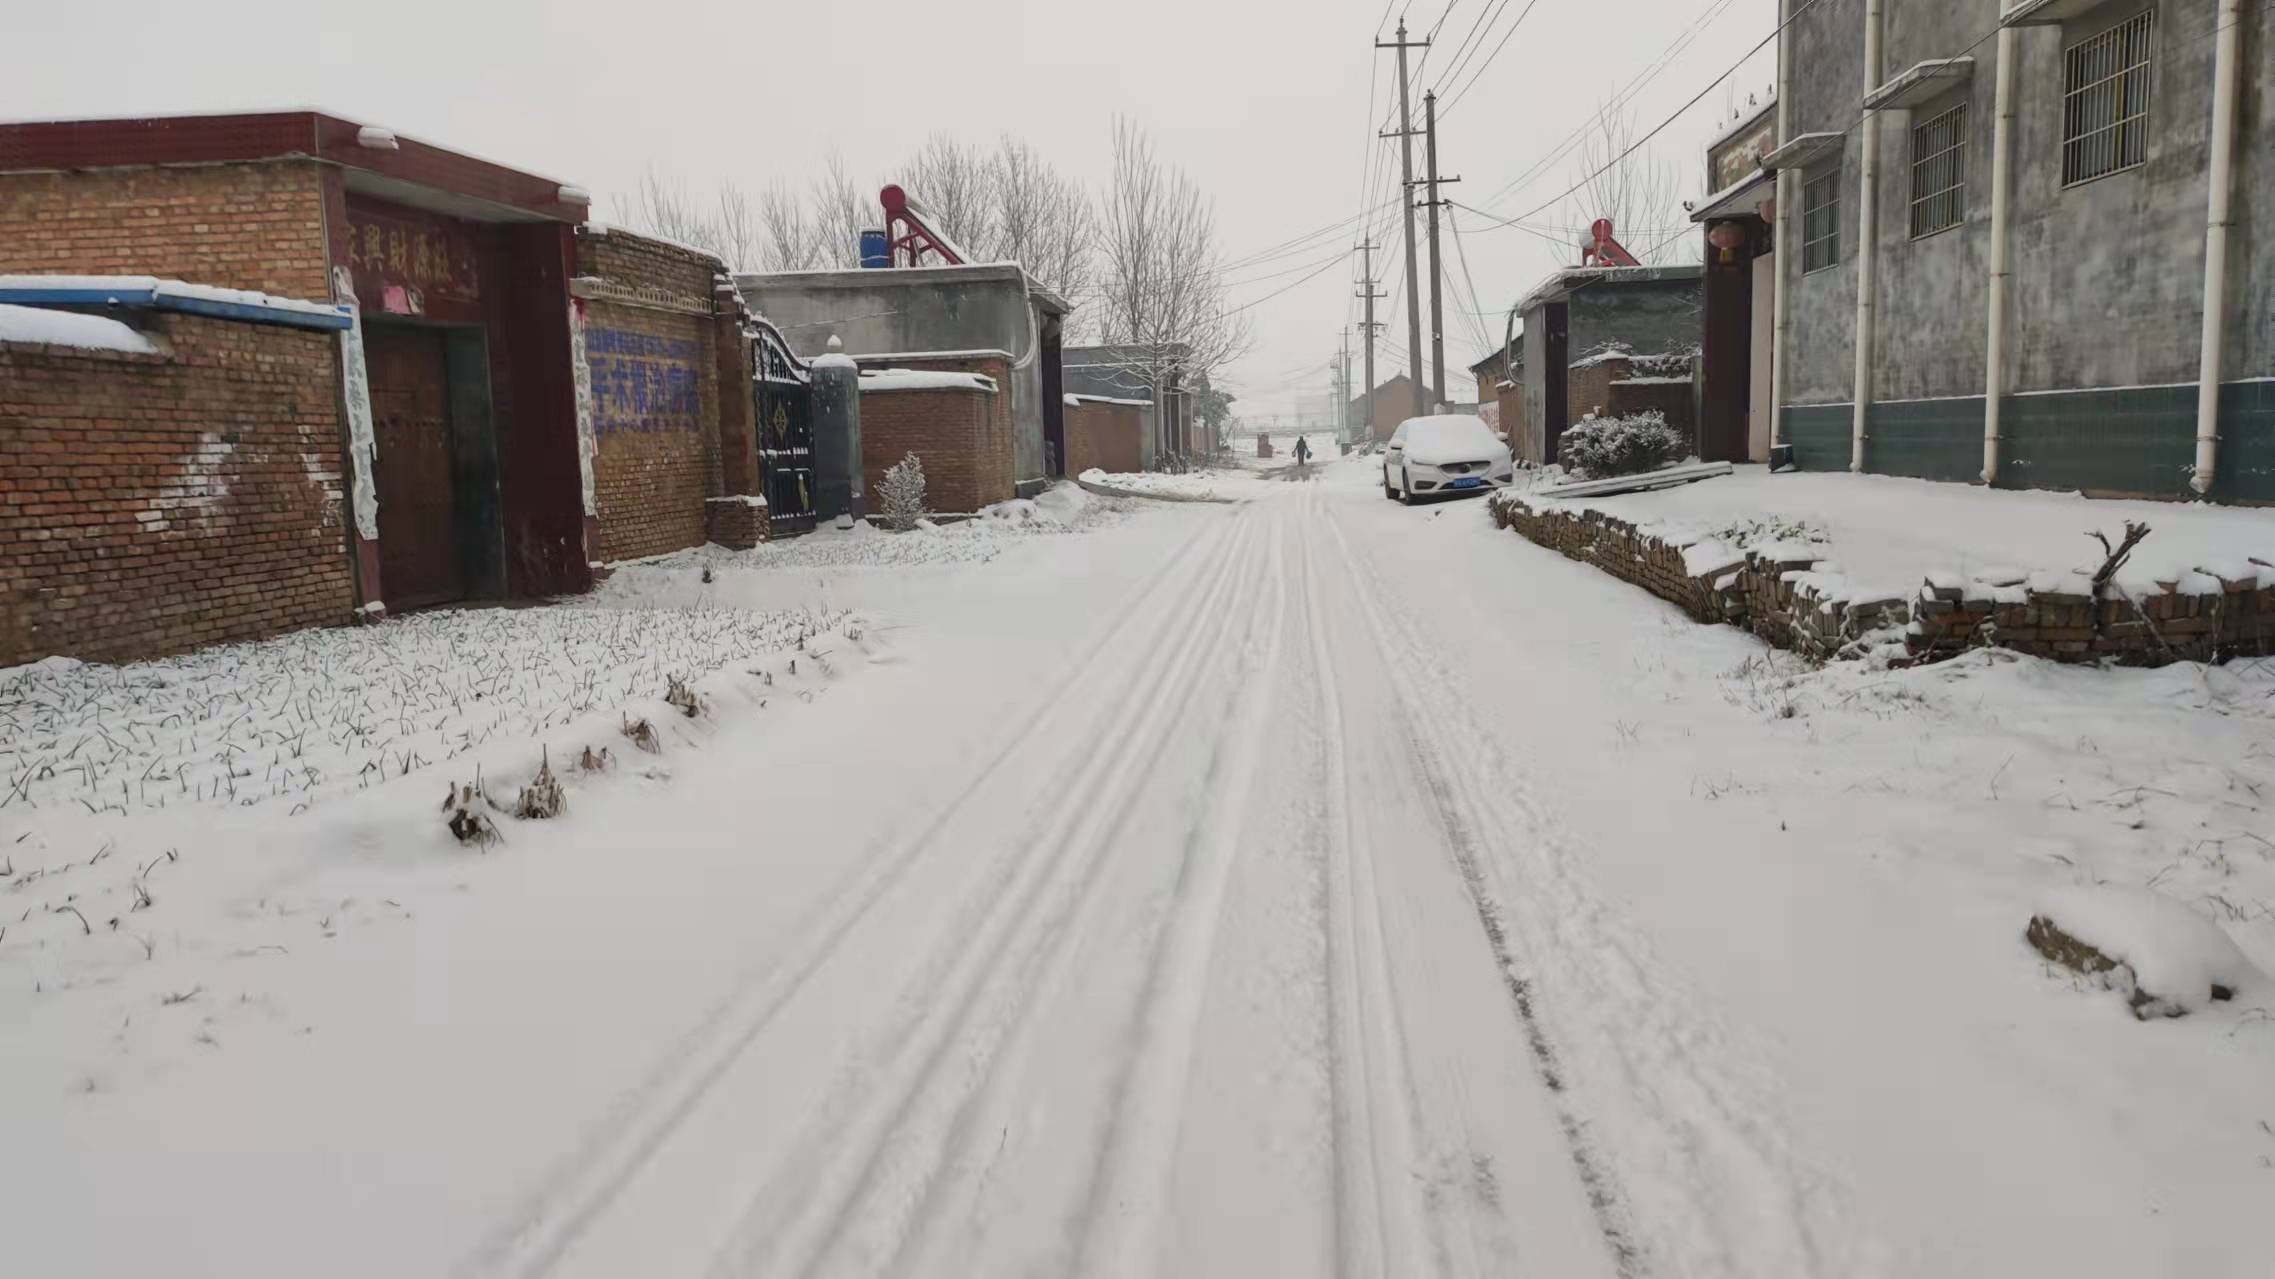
[1467, 482]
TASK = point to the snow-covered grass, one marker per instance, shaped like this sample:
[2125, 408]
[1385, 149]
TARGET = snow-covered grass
[1887, 534]
[282, 722]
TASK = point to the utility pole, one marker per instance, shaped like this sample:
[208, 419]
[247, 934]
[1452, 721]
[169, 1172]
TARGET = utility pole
[1437, 275]
[1367, 291]
[1406, 197]
[1343, 401]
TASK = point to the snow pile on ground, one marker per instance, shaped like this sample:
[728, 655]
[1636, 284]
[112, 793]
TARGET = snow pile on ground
[1062, 508]
[281, 722]
[1206, 485]
[2168, 960]
[1890, 534]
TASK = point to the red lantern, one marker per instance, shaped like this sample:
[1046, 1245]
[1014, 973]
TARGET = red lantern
[1726, 236]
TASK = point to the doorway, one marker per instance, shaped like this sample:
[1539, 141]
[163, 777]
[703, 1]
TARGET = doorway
[440, 536]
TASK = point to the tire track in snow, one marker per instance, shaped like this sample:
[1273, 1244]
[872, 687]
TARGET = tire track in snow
[554, 1214]
[985, 988]
[1380, 1229]
[1131, 1188]
[1706, 1122]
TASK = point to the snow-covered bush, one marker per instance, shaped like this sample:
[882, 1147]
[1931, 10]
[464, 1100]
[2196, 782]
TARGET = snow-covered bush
[1601, 447]
[902, 493]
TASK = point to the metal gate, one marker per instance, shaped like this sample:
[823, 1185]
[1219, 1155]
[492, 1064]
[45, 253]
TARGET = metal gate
[784, 398]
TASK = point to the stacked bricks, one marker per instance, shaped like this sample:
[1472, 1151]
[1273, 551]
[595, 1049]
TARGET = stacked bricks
[240, 226]
[962, 435]
[657, 459]
[2052, 617]
[154, 503]
[2208, 619]
[737, 523]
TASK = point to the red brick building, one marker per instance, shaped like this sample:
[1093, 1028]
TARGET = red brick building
[499, 402]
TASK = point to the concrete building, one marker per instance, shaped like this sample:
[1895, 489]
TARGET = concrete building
[1603, 340]
[993, 321]
[1735, 408]
[2071, 330]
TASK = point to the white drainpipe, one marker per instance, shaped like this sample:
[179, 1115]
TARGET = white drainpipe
[2220, 187]
[1781, 247]
[1867, 232]
[2002, 195]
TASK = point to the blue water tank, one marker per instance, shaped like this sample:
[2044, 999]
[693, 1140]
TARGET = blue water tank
[873, 251]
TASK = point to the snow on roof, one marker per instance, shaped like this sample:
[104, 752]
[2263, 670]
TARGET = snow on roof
[125, 289]
[917, 380]
[69, 328]
[1108, 399]
[1742, 122]
[975, 353]
[1711, 206]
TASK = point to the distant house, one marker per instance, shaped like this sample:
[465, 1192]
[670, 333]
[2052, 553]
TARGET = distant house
[1391, 403]
[1128, 371]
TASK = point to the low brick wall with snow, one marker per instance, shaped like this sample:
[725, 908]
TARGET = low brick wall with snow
[167, 489]
[1787, 601]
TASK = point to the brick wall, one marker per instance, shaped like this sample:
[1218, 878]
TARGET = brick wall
[967, 465]
[1588, 390]
[240, 226]
[1675, 399]
[958, 434]
[1110, 437]
[154, 503]
[1777, 600]
[656, 393]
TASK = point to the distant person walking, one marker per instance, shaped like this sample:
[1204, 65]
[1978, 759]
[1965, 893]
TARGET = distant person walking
[1302, 451]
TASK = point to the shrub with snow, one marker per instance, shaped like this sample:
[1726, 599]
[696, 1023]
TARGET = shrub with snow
[1601, 447]
[902, 493]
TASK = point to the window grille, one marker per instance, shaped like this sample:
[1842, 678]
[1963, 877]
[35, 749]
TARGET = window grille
[1939, 172]
[2105, 101]
[1821, 220]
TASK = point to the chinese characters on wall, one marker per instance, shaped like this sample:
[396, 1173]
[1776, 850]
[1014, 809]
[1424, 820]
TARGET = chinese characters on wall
[403, 264]
[640, 382]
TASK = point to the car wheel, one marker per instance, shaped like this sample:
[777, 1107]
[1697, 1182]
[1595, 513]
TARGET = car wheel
[1405, 487]
[1388, 491]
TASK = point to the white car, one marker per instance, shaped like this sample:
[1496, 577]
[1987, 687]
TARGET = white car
[1450, 453]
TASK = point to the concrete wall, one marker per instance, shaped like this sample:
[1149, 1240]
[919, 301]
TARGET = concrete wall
[918, 310]
[1649, 317]
[2107, 276]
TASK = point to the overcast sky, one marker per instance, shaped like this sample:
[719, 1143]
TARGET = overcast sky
[1265, 103]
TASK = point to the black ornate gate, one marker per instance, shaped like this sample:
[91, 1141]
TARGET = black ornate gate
[784, 396]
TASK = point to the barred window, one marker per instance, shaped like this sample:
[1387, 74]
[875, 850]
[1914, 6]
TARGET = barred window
[1821, 220]
[2105, 101]
[1939, 172]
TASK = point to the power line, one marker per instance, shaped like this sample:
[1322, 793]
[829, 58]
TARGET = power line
[1659, 127]
[1478, 74]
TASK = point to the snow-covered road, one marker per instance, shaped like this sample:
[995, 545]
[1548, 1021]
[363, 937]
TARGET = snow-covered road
[1305, 886]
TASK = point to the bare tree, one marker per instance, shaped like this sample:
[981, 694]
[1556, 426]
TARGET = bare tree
[1044, 221]
[1640, 193]
[843, 209]
[739, 233]
[791, 243]
[1161, 277]
[664, 209]
[955, 183]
